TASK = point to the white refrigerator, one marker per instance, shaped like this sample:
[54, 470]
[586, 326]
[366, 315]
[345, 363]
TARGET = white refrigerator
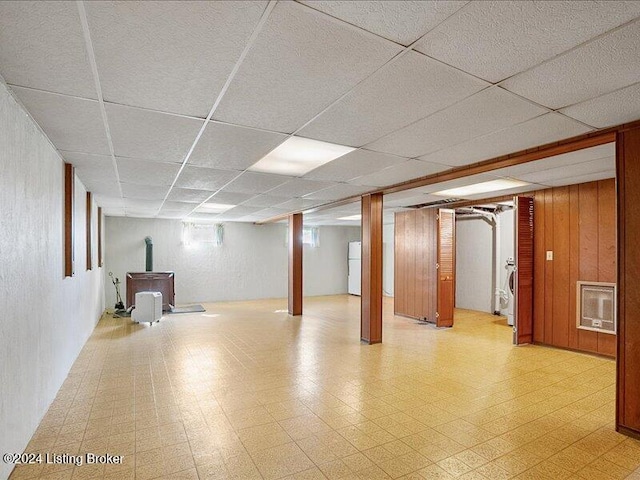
[355, 268]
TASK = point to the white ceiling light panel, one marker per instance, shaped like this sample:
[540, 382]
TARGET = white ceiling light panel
[213, 208]
[298, 155]
[484, 187]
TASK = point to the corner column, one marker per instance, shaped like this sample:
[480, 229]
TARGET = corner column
[628, 355]
[295, 264]
[371, 298]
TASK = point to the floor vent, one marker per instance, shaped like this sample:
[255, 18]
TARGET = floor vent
[597, 307]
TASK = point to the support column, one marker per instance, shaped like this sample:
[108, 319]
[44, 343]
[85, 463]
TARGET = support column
[295, 264]
[628, 358]
[371, 299]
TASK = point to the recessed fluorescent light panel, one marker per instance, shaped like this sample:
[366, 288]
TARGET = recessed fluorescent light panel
[484, 187]
[213, 208]
[297, 156]
[351, 217]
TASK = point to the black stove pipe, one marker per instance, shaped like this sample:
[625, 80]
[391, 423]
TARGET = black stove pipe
[149, 258]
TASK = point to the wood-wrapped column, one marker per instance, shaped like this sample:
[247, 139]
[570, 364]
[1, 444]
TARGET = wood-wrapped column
[371, 299]
[295, 264]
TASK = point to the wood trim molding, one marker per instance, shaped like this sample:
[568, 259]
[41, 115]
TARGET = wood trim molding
[89, 230]
[371, 290]
[69, 184]
[295, 264]
[100, 262]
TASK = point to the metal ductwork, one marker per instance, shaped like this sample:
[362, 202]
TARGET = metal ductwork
[149, 256]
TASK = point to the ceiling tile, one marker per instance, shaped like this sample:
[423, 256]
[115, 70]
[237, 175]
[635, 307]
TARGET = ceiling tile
[86, 160]
[301, 61]
[42, 46]
[564, 160]
[201, 178]
[589, 177]
[206, 217]
[101, 186]
[169, 56]
[114, 211]
[541, 130]
[170, 215]
[497, 39]
[399, 173]
[271, 212]
[240, 211]
[228, 198]
[177, 207]
[188, 195]
[598, 67]
[601, 165]
[144, 192]
[402, 22]
[298, 204]
[264, 201]
[256, 183]
[413, 199]
[338, 192]
[109, 200]
[485, 112]
[71, 123]
[299, 188]
[355, 164]
[406, 90]
[145, 172]
[233, 148]
[151, 135]
[142, 204]
[99, 172]
[614, 108]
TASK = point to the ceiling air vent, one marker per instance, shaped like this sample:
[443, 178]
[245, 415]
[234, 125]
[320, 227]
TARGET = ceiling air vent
[437, 203]
[597, 307]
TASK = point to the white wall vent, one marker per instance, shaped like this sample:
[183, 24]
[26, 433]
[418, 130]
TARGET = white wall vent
[597, 307]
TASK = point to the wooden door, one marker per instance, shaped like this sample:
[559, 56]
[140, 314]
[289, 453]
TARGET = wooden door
[523, 292]
[446, 267]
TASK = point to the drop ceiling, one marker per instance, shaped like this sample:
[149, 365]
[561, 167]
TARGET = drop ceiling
[164, 106]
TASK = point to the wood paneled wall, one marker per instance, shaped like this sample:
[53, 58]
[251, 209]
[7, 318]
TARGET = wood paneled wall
[415, 275]
[577, 223]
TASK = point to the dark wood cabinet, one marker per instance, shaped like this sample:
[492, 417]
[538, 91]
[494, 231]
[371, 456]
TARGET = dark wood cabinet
[151, 282]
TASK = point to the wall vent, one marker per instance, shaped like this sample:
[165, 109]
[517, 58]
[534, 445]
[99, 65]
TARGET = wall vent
[597, 307]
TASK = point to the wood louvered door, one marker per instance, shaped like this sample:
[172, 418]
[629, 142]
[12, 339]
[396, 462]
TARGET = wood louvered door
[446, 267]
[523, 291]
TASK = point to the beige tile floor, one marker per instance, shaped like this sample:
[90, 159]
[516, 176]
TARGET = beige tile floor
[245, 391]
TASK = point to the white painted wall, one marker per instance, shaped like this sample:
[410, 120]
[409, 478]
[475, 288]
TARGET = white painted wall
[474, 264]
[326, 268]
[388, 259]
[251, 263]
[46, 319]
[475, 260]
[507, 248]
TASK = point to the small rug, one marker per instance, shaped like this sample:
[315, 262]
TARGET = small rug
[185, 309]
[188, 309]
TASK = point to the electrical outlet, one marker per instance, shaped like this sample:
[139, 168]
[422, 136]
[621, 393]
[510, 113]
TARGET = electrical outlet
[549, 254]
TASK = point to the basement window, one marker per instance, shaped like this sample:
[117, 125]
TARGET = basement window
[194, 234]
[311, 236]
